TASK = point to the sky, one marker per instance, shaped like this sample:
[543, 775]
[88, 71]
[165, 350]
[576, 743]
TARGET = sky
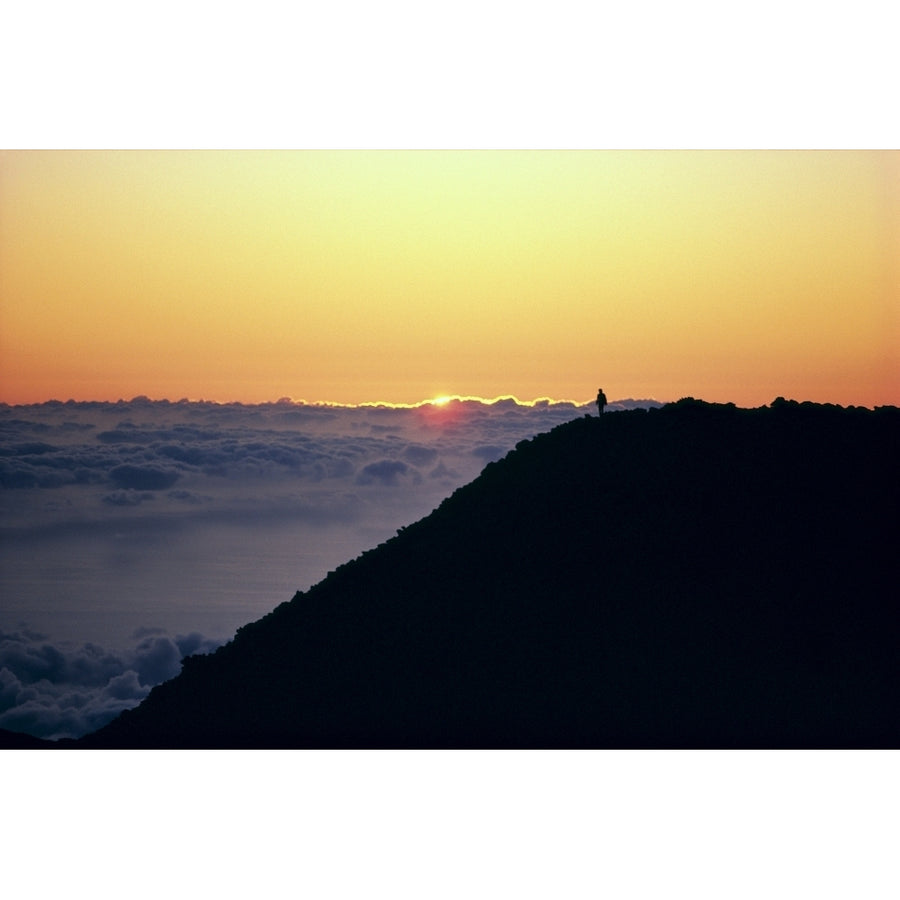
[397, 276]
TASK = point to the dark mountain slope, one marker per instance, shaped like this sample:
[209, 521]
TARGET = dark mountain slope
[16, 740]
[694, 576]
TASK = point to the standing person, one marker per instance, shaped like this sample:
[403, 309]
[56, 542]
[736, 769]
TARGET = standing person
[601, 401]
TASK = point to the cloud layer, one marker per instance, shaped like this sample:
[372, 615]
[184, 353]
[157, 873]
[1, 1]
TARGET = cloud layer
[54, 691]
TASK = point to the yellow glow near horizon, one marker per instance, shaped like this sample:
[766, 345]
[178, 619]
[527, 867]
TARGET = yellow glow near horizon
[393, 276]
[435, 401]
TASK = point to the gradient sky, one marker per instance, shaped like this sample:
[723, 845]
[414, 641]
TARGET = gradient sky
[360, 276]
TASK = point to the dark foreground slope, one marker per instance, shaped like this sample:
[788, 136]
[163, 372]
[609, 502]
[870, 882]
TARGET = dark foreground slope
[695, 576]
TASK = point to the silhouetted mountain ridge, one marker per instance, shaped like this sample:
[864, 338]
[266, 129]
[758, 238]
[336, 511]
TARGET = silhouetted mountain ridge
[691, 576]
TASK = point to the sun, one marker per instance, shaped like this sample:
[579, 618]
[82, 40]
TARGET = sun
[440, 401]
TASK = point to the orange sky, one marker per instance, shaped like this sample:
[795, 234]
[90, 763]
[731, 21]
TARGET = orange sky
[362, 276]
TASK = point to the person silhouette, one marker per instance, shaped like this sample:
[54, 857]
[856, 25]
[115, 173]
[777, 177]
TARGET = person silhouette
[601, 401]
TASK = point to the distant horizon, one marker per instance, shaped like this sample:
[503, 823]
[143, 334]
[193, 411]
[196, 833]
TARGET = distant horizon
[437, 400]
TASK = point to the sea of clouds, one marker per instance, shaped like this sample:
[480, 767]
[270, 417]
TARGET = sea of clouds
[136, 533]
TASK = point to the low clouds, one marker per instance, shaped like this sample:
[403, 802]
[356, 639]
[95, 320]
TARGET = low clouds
[61, 691]
[388, 472]
[143, 478]
[127, 498]
[100, 457]
[419, 455]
